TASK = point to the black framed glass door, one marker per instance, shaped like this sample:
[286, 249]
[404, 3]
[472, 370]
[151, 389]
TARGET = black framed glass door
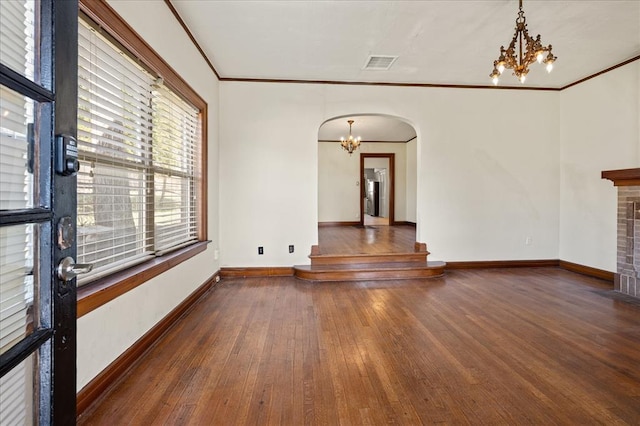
[38, 109]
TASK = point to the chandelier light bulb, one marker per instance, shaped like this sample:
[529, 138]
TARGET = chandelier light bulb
[550, 60]
[523, 78]
[540, 56]
[501, 68]
[494, 75]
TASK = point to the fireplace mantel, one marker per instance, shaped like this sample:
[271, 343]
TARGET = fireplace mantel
[624, 177]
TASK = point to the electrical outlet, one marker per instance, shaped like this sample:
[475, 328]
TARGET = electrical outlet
[291, 248]
[528, 241]
[260, 250]
[216, 254]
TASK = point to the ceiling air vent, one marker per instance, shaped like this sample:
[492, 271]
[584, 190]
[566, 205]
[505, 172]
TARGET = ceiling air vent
[379, 62]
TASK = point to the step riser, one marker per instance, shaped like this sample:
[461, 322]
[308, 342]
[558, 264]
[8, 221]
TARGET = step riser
[368, 258]
[371, 275]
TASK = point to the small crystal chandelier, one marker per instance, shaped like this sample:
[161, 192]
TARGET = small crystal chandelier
[350, 144]
[520, 60]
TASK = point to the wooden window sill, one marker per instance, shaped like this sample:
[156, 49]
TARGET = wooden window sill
[104, 290]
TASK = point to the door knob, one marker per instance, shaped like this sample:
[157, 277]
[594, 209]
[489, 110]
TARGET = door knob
[68, 269]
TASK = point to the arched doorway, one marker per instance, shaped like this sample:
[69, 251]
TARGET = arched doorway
[344, 196]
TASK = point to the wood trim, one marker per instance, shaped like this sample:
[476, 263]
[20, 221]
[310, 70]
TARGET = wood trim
[428, 85]
[326, 224]
[315, 250]
[569, 266]
[486, 264]
[623, 177]
[107, 18]
[274, 271]
[114, 371]
[404, 223]
[420, 247]
[191, 37]
[392, 183]
[202, 202]
[587, 270]
[382, 83]
[582, 80]
[104, 290]
[363, 141]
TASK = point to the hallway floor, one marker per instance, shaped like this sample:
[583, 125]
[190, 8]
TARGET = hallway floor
[375, 220]
[367, 239]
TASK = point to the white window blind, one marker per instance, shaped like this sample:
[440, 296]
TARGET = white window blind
[17, 394]
[176, 130]
[16, 181]
[114, 119]
[138, 148]
[17, 36]
[16, 283]
[16, 192]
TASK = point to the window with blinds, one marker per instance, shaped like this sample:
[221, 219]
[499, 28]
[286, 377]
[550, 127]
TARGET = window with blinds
[138, 144]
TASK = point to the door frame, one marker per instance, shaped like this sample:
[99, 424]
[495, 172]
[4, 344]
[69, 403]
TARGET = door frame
[392, 183]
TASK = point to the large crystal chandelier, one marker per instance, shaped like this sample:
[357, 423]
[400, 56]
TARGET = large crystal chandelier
[350, 144]
[522, 52]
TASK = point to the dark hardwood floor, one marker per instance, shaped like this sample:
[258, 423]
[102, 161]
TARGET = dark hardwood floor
[511, 346]
[366, 239]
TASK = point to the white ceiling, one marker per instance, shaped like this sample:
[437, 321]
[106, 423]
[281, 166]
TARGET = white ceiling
[438, 42]
[451, 42]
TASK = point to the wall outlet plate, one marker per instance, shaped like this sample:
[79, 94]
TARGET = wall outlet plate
[291, 248]
[260, 250]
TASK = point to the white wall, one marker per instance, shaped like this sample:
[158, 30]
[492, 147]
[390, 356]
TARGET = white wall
[339, 179]
[485, 179]
[108, 331]
[599, 131]
[411, 179]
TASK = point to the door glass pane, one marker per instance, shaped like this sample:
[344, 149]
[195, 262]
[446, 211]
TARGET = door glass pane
[17, 31]
[18, 318]
[16, 150]
[18, 391]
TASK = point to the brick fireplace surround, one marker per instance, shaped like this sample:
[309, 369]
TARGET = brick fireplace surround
[627, 279]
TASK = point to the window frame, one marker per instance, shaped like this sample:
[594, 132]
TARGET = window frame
[102, 290]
